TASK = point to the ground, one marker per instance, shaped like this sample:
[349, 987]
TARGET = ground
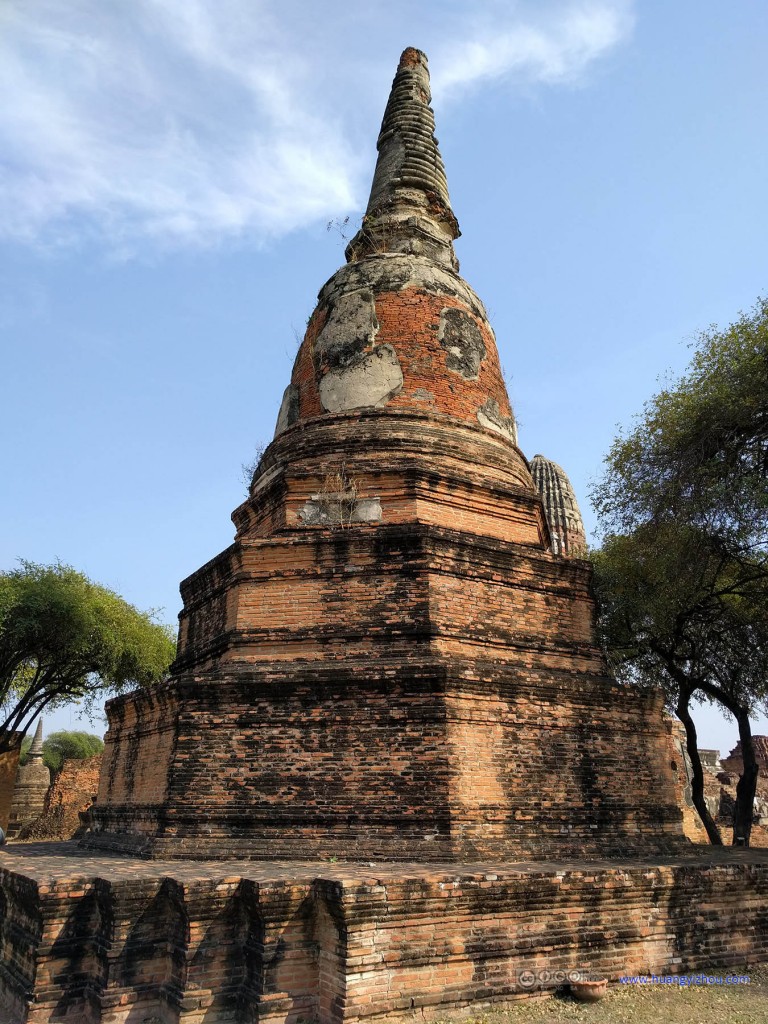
[648, 1004]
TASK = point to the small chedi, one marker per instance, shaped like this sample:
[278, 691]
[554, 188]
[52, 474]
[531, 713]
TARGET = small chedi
[32, 784]
[392, 660]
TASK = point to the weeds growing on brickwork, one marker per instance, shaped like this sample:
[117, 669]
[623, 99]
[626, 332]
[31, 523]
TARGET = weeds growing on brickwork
[368, 242]
[247, 469]
[338, 497]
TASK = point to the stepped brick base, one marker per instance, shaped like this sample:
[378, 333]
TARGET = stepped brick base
[403, 693]
[398, 762]
[114, 940]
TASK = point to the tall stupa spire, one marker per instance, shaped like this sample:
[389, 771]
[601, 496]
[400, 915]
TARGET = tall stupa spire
[408, 210]
[36, 750]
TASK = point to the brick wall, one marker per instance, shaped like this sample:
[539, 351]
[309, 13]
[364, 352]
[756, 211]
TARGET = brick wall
[394, 760]
[9, 765]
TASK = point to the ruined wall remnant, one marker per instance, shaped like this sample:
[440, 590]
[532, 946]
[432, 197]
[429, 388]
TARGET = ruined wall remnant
[734, 763]
[9, 766]
[719, 792]
[69, 798]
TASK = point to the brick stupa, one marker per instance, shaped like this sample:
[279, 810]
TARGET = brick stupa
[390, 661]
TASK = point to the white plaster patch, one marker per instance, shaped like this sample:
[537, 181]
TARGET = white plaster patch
[369, 382]
[489, 415]
[351, 328]
[339, 509]
[385, 272]
[289, 410]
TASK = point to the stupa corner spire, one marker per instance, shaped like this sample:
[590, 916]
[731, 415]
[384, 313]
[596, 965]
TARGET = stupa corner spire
[409, 210]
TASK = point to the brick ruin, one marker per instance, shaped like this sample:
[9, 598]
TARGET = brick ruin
[734, 765]
[392, 660]
[66, 808]
[390, 767]
[9, 767]
[719, 788]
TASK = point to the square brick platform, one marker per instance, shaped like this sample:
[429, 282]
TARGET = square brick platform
[113, 939]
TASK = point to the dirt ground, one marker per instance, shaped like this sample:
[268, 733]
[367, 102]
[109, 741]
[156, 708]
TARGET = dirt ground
[648, 1004]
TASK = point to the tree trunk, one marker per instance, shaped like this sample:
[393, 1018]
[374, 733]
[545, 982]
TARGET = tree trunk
[697, 781]
[743, 811]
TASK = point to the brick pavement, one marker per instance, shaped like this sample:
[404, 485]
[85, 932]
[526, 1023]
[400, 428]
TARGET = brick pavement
[59, 861]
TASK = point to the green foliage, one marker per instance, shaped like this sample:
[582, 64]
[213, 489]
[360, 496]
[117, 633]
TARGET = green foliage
[683, 507]
[69, 746]
[699, 452]
[65, 638]
[674, 604]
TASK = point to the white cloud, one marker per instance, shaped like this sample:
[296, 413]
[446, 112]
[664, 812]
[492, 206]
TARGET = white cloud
[553, 50]
[183, 121]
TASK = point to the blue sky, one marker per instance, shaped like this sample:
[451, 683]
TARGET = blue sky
[167, 172]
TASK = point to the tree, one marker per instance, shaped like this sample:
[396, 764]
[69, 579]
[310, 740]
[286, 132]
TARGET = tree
[64, 638]
[65, 745]
[682, 575]
[69, 746]
[699, 452]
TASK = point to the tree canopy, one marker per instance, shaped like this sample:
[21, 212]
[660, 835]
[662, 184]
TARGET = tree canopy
[64, 638]
[65, 745]
[699, 451]
[682, 573]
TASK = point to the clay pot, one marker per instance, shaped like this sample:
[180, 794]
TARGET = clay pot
[589, 991]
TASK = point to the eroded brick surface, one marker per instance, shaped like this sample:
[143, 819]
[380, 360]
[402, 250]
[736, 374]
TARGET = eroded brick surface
[71, 794]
